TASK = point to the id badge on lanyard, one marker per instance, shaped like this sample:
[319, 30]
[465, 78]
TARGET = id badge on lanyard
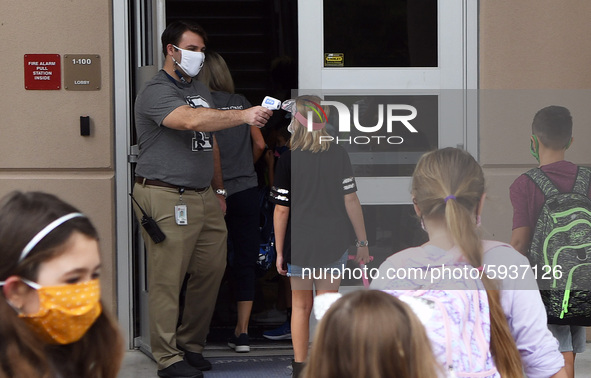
[180, 210]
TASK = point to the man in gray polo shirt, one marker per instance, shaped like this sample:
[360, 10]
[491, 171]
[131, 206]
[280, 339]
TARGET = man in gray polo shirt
[177, 167]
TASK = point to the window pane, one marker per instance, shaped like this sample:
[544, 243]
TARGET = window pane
[380, 33]
[385, 153]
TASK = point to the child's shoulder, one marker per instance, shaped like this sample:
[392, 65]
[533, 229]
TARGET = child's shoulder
[560, 173]
[560, 166]
[405, 254]
[521, 187]
[421, 256]
[499, 252]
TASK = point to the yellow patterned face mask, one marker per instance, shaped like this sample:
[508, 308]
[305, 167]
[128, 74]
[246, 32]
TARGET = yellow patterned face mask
[66, 312]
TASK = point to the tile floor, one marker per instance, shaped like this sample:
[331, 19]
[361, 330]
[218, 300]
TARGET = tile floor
[138, 365]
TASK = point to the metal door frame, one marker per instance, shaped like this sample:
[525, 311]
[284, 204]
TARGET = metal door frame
[309, 13]
[122, 97]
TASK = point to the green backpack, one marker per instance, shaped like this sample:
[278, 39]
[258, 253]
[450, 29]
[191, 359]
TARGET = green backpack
[560, 251]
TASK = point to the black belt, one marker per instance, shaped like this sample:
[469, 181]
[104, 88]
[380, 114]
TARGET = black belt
[144, 181]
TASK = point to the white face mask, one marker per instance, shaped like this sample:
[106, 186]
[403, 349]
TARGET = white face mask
[191, 61]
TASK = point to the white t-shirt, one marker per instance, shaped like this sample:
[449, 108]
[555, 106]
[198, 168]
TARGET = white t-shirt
[520, 297]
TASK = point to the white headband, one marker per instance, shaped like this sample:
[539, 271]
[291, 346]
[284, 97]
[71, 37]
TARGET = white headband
[43, 233]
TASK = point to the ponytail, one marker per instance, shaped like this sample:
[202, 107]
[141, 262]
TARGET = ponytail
[463, 230]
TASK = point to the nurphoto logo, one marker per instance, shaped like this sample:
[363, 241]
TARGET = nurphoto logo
[394, 113]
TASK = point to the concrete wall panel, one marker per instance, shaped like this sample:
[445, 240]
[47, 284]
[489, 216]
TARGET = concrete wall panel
[534, 44]
[506, 117]
[40, 128]
[532, 53]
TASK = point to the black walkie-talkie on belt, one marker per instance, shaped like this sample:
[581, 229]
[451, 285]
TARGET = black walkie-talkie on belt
[150, 225]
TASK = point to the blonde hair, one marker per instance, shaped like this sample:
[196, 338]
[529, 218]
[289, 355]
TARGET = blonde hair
[368, 333]
[453, 172]
[215, 73]
[305, 140]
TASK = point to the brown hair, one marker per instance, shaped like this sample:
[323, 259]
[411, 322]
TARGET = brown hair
[175, 30]
[368, 333]
[305, 140]
[553, 125]
[215, 73]
[451, 171]
[100, 351]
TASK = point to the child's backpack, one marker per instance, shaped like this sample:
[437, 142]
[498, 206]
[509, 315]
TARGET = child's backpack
[458, 325]
[454, 311]
[560, 251]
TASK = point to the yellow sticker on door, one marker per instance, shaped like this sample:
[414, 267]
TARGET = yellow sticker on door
[334, 60]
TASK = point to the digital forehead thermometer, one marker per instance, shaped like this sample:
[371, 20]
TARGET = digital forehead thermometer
[271, 103]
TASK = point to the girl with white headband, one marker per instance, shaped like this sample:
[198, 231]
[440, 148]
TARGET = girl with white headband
[52, 321]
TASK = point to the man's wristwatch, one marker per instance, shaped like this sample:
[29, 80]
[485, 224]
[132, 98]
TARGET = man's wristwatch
[221, 192]
[361, 243]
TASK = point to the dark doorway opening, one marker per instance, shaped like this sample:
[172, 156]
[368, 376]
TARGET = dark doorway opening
[258, 40]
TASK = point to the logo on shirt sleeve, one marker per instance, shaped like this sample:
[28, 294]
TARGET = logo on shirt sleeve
[196, 102]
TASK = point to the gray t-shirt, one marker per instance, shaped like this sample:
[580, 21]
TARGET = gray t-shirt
[235, 146]
[178, 157]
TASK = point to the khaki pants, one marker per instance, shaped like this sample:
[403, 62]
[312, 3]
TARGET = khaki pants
[197, 249]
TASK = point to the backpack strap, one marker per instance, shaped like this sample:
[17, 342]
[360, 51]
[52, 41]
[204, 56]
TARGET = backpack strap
[582, 181]
[543, 182]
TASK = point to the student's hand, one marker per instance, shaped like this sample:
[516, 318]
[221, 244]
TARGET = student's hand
[257, 116]
[279, 264]
[362, 255]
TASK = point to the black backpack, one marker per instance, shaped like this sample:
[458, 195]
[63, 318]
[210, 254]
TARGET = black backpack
[560, 251]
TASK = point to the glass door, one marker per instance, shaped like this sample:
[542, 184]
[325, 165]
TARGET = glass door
[405, 72]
